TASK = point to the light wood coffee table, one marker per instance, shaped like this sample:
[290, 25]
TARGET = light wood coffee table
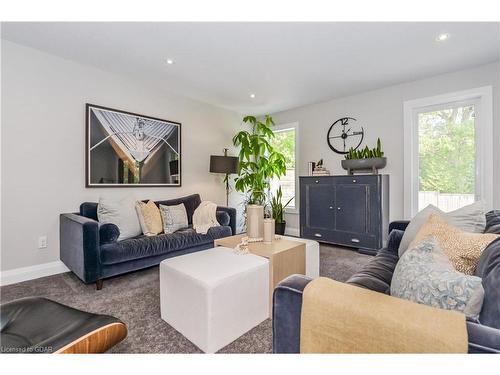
[285, 258]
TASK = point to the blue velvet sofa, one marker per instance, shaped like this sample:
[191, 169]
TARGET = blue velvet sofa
[483, 337]
[92, 252]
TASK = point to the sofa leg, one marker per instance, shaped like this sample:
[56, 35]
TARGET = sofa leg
[98, 284]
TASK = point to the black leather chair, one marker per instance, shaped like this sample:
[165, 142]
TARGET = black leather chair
[39, 325]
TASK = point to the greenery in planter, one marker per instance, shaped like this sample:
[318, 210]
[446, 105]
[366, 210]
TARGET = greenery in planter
[366, 153]
[258, 160]
[277, 206]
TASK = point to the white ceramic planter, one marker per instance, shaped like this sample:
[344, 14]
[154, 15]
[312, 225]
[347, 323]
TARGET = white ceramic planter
[255, 221]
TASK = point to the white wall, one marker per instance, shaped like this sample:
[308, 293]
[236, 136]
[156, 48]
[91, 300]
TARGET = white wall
[381, 114]
[43, 105]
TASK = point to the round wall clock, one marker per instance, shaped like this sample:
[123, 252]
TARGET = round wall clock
[344, 134]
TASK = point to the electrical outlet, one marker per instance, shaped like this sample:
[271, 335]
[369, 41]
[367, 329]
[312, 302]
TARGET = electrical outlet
[42, 242]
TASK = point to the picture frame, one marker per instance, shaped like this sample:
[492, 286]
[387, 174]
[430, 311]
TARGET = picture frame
[127, 149]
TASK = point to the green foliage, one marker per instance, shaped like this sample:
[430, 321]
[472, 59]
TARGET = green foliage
[277, 206]
[258, 160]
[366, 153]
[447, 151]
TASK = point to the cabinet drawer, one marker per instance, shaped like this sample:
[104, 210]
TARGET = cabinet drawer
[357, 240]
[321, 235]
[342, 238]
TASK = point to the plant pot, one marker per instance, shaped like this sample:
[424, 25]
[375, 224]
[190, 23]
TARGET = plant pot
[255, 221]
[280, 228]
[366, 165]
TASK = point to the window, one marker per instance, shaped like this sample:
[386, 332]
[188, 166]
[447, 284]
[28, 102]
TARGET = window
[285, 141]
[447, 156]
[448, 150]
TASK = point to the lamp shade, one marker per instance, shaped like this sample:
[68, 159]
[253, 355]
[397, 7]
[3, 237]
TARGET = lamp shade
[223, 164]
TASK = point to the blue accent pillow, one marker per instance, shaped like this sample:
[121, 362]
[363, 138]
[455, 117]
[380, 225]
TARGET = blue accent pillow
[425, 275]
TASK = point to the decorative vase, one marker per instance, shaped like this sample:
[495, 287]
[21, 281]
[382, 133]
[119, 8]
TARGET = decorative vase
[280, 228]
[268, 230]
[255, 221]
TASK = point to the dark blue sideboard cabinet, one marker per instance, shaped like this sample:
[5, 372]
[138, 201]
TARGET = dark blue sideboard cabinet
[345, 210]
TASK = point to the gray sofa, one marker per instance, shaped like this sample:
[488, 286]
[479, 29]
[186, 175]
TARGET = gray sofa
[483, 337]
[92, 252]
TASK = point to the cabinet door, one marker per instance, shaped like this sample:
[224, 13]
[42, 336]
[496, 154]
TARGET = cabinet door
[319, 206]
[352, 208]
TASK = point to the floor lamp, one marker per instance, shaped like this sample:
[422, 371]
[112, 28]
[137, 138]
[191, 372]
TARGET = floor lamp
[224, 164]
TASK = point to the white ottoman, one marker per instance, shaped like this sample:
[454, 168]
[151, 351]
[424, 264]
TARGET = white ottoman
[312, 255]
[214, 296]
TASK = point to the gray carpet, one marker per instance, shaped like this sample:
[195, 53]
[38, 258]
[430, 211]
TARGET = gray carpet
[134, 298]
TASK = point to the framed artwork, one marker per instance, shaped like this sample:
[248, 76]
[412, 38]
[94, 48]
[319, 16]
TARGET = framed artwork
[125, 149]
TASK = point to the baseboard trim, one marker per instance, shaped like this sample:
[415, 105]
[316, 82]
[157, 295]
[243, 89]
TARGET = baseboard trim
[18, 275]
[295, 232]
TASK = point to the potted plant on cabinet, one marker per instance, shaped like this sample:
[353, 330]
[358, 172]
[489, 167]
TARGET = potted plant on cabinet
[258, 163]
[365, 159]
[278, 211]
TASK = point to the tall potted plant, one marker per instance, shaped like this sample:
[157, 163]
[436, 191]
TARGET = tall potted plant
[259, 163]
[278, 210]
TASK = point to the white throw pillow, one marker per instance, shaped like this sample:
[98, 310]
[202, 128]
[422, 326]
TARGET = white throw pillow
[174, 217]
[122, 213]
[471, 218]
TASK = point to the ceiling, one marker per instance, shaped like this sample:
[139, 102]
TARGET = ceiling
[285, 65]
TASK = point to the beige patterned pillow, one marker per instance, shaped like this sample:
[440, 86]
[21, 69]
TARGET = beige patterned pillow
[463, 248]
[149, 218]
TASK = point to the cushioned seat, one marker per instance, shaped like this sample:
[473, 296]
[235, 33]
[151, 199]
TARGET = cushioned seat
[377, 274]
[39, 325]
[92, 251]
[149, 246]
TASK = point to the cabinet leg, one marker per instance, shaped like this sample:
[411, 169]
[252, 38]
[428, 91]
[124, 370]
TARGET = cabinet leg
[98, 284]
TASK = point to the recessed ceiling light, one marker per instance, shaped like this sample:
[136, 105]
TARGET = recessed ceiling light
[252, 96]
[170, 61]
[442, 37]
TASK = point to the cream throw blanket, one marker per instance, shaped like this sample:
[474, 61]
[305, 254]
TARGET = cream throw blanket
[205, 217]
[342, 318]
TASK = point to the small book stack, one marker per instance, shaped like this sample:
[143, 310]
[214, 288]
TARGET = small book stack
[319, 170]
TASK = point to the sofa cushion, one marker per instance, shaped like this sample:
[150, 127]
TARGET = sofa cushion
[425, 275]
[488, 269]
[147, 246]
[377, 273]
[223, 217]
[493, 222]
[149, 218]
[108, 233]
[219, 232]
[191, 202]
[470, 218]
[463, 248]
[121, 212]
[174, 217]
[89, 209]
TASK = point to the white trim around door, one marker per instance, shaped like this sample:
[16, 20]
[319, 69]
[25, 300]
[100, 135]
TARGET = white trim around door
[483, 98]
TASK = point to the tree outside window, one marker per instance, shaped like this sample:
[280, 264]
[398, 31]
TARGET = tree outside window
[284, 142]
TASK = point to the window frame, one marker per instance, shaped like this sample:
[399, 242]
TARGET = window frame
[289, 126]
[482, 97]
